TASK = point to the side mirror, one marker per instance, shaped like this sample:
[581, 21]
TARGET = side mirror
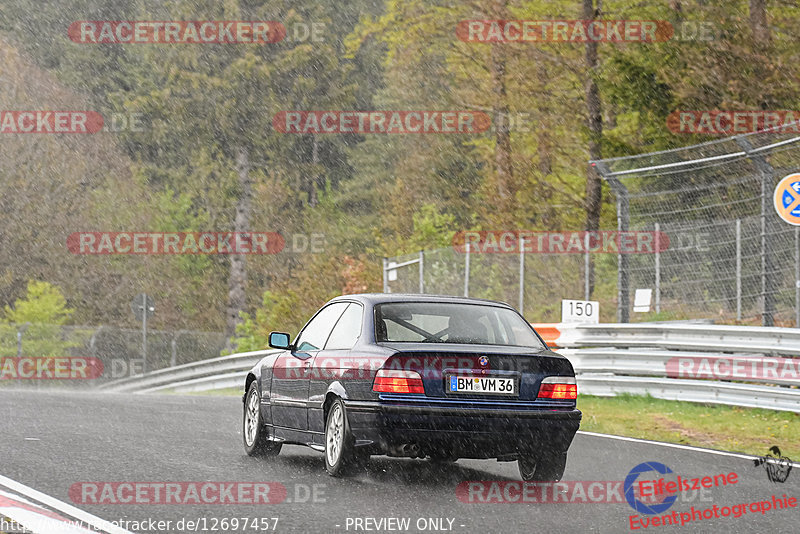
[279, 340]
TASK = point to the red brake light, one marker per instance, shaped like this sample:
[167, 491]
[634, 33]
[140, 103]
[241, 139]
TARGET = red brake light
[558, 387]
[395, 381]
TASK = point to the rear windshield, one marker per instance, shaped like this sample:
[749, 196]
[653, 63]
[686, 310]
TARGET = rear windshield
[434, 322]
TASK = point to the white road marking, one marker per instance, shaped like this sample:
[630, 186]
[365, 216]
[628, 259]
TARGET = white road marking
[99, 524]
[676, 446]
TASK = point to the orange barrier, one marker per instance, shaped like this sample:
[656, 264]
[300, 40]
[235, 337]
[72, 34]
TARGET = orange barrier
[549, 331]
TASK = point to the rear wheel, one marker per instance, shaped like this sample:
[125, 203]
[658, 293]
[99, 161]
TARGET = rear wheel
[340, 454]
[547, 467]
[254, 434]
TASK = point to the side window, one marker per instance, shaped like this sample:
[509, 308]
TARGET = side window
[317, 331]
[346, 332]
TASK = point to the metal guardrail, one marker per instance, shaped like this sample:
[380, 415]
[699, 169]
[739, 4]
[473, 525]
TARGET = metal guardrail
[196, 376]
[713, 338]
[609, 359]
[654, 362]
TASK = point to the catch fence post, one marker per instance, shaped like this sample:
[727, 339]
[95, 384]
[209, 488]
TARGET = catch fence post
[521, 274]
[738, 269]
[658, 267]
[385, 276]
[466, 272]
[421, 271]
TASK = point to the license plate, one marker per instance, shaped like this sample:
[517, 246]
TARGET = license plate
[482, 385]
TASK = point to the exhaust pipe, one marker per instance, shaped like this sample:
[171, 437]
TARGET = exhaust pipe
[406, 450]
[413, 450]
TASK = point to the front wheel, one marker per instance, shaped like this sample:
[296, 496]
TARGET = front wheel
[339, 443]
[542, 468]
[254, 435]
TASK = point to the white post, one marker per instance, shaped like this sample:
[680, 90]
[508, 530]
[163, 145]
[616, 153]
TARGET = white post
[466, 273]
[385, 275]
[797, 276]
[738, 269]
[421, 271]
[144, 332]
[658, 267]
[521, 274]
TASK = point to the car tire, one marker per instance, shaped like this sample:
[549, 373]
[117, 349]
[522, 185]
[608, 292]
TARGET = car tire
[254, 433]
[340, 453]
[542, 468]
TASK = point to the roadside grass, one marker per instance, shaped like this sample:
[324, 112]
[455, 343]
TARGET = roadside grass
[729, 428]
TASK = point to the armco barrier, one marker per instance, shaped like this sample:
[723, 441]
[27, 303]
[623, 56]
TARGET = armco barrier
[196, 376]
[654, 362]
[677, 336]
[609, 359]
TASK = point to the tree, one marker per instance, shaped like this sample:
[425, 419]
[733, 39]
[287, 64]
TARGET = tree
[43, 303]
[37, 319]
[594, 111]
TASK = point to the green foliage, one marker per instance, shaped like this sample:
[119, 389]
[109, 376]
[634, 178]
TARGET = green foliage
[277, 313]
[371, 195]
[39, 316]
[431, 230]
[43, 303]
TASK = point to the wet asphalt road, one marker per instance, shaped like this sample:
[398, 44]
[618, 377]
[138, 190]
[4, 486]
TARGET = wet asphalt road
[52, 441]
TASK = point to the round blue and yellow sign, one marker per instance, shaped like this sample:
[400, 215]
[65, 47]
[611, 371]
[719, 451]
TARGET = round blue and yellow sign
[787, 199]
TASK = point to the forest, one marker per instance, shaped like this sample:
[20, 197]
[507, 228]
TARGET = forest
[195, 139]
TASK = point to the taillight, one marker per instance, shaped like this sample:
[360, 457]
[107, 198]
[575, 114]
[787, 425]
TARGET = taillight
[558, 387]
[396, 381]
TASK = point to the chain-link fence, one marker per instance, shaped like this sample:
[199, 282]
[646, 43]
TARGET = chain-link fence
[546, 278]
[730, 257]
[119, 350]
[724, 252]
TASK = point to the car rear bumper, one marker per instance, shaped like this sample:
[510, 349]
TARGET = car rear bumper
[467, 432]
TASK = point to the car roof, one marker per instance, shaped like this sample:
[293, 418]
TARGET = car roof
[372, 299]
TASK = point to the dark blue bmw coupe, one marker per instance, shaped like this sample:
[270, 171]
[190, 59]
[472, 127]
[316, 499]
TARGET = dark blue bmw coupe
[416, 376]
